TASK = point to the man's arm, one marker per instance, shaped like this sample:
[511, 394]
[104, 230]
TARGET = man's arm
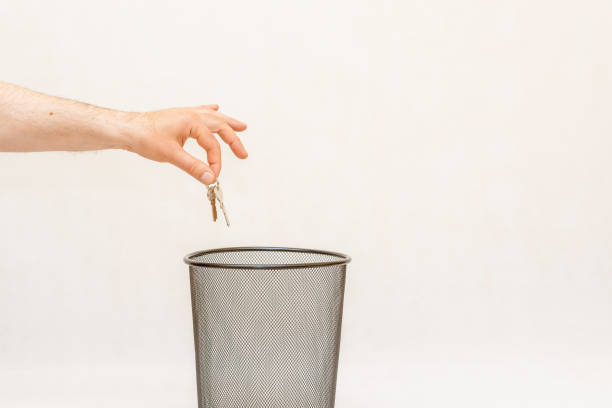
[31, 122]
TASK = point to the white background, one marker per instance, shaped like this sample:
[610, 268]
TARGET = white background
[458, 151]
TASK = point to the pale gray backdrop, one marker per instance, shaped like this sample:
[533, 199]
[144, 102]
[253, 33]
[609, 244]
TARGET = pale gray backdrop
[459, 151]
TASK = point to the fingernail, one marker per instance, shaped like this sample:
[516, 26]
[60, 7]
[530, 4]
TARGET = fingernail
[207, 178]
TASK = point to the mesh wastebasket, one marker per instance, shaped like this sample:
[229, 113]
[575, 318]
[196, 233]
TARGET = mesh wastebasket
[266, 326]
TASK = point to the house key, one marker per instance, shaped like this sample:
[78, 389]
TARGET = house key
[215, 194]
[219, 197]
[210, 194]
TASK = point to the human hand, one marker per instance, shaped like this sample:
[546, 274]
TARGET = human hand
[161, 135]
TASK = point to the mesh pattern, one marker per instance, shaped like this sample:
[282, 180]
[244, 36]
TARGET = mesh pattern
[267, 338]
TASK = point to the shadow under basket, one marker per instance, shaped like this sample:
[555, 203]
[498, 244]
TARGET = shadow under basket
[267, 326]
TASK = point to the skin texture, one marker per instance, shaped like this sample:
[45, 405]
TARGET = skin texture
[34, 122]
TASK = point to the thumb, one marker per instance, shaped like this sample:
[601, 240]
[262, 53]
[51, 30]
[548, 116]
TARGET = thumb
[196, 168]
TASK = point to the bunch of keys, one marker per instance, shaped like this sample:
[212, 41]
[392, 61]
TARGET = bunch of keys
[215, 194]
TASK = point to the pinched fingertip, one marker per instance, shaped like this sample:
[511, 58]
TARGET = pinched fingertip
[207, 178]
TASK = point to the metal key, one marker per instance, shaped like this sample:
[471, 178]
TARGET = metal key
[212, 197]
[219, 197]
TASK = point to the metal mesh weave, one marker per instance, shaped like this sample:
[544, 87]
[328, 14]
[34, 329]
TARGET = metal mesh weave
[266, 338]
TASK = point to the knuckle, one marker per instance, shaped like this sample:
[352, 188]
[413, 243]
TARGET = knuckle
[205, 141]
[214, 154]
[213, 122]
[191, 121]
[193, 116]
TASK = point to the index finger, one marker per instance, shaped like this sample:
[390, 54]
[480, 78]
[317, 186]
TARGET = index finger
[209, 143]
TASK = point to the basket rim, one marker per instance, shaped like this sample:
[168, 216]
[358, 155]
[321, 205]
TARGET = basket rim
[342, 258]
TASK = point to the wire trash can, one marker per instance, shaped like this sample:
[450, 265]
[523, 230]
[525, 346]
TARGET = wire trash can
[266, 326]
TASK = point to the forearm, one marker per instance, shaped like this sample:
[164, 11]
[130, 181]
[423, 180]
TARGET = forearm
[30, 121]
[34, 122]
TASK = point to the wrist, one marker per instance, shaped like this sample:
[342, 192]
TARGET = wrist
[125, 128]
